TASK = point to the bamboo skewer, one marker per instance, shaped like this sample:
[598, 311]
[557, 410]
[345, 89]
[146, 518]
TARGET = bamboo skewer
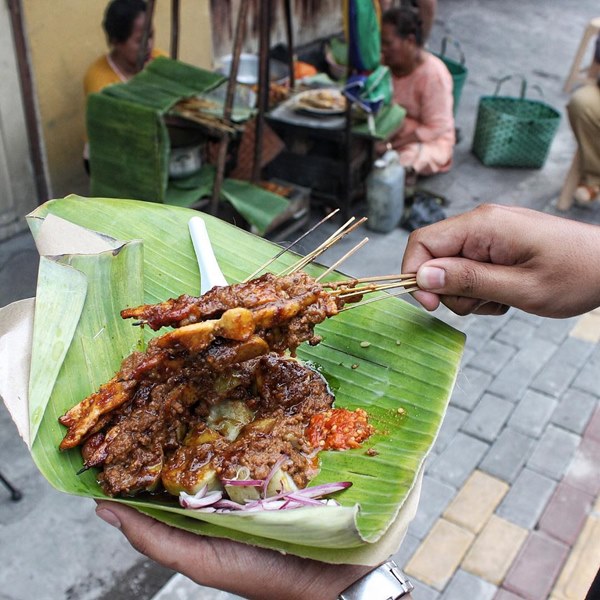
[350, 287]
[342, 232]
[373, 278]
[406, 291]
[284, 250]
[319, 249]
[342, 259]
[349, 292]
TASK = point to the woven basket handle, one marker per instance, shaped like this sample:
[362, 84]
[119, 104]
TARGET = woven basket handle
[507, 78]
[457, 47]
[535, 87]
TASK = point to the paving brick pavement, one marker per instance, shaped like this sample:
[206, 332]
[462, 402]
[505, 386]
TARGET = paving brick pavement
[523, 456]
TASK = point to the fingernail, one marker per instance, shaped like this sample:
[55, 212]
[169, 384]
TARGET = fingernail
[431, 278]
[109, 517]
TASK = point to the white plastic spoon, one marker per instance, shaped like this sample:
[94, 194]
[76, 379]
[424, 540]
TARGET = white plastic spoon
[210, 272]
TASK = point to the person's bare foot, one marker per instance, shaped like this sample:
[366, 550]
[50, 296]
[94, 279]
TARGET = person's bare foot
[586, 194]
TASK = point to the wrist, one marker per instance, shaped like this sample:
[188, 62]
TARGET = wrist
[334, 580]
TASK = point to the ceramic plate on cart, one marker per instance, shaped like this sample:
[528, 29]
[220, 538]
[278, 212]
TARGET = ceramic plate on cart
[327, 101]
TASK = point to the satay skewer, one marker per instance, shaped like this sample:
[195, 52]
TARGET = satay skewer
[296, 241]
[338, 262]
[409, 290]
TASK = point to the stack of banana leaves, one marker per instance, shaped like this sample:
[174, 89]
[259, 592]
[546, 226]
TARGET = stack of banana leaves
[130, 145]
[392, 360]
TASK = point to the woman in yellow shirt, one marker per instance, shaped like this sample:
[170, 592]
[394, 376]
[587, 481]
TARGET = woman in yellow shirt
[124, 27]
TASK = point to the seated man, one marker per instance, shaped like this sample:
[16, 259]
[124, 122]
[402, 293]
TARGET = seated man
[423, 86]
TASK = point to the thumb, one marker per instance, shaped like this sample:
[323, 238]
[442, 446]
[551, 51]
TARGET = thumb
[147, 535]
[467, 278]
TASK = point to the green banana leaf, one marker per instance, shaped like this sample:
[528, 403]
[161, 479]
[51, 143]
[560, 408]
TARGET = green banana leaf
[390, 358]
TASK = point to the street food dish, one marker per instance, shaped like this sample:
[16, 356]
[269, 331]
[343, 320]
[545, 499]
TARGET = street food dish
[213, 405]
[386, 357]
[321, 101]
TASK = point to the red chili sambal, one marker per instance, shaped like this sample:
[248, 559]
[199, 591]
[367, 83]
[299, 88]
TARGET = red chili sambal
[338, 429]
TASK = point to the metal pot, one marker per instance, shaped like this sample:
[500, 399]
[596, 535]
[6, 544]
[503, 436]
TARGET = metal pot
[248, 69]
[185, 161]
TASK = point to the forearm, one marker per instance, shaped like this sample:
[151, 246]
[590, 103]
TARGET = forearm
[407, 134]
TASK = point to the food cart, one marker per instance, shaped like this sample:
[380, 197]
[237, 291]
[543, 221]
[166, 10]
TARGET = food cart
[144, 136]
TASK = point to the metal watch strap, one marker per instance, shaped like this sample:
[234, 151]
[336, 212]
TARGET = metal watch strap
[386, 582]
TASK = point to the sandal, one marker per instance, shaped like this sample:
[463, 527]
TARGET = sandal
[586, 194]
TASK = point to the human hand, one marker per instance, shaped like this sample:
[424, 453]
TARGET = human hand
[496, 256]
[253, 573]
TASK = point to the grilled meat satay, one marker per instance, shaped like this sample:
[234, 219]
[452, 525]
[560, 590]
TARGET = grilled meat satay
[274, 322]
[176, 434]
[194, 381]
[185, 310]
[156, 365]
[281, 325]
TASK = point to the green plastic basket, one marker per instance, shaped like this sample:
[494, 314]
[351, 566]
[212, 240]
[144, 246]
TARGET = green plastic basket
[457, 69]
[514, 132]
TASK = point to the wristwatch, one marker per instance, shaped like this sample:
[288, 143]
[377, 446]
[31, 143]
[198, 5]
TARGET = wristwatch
[386, 582]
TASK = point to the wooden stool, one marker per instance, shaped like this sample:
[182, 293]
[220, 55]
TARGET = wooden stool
[578, 74]
[565, 200]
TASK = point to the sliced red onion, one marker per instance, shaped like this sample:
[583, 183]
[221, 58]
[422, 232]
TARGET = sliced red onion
[199, 500]
[311, 496]
[323, 490]
[316, 491]
[272, 472]
[305, 500]
[244, 482]
[228, 504]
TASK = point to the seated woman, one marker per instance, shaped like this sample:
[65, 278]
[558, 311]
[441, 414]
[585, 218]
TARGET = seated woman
[423, 86]
[124, 27]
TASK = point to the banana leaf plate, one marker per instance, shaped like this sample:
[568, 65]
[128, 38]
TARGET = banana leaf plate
[388, 357]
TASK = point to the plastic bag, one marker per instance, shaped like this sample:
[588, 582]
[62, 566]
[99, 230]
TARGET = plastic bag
[424, 210]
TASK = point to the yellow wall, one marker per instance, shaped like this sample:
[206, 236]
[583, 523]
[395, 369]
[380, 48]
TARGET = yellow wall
[64, 37]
